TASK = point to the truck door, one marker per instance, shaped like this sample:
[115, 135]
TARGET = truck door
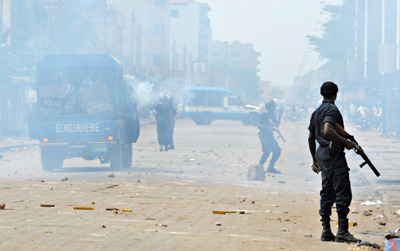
[234, 106]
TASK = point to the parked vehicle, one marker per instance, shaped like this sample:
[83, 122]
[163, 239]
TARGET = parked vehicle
[206, 104]
[84, 110]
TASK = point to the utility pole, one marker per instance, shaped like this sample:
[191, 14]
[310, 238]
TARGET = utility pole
[383, 74]
[133, 22]
[397, 70]
[105, 28]
[184, 72]
[356, 34]
[1, 21]
[60, 24]
[366, 45]
[138, 51]
[174, 59]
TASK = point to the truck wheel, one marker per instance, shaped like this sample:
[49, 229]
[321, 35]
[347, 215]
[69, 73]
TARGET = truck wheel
[127, 155]
[253, 118]
[115, 157]
[205, 118]
[51, 159]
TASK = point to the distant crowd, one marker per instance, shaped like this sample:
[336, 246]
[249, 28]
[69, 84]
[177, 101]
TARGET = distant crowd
[364, 117]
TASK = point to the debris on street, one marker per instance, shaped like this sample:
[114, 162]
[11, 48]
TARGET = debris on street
[366, 213]
[83, 208]
[370, 203]
[223, 212]
[353, 224]
[111, 209]
[47, 205]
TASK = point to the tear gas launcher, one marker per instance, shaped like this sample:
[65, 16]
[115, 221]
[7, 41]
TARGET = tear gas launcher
[279, 134]
[276, 129]
[357, 149]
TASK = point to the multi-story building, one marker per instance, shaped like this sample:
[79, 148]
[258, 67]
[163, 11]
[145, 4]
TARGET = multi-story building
[79, 26]
[236, 54]
[5, 21]
[134, 31]
[190, 41]
[145, 36]
[232, 64]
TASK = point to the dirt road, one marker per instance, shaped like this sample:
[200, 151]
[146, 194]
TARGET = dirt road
[172, 195]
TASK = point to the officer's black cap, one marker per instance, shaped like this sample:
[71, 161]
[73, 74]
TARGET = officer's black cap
[329, 89]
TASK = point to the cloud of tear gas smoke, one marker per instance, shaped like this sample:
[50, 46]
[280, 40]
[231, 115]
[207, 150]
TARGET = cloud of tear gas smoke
[141, 93]
[144, 93]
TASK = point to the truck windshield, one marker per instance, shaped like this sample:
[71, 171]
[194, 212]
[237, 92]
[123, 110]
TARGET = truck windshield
[83, 90]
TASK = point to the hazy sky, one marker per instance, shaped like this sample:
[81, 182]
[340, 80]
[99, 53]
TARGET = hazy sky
[276, 28]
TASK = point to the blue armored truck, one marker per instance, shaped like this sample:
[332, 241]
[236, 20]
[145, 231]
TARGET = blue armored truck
[85, 109]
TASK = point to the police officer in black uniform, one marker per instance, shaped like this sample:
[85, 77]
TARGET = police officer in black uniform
[267, 123]
[164, 121]
[331, 161]
[173, 114]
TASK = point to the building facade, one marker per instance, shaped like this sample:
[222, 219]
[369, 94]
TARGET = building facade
[235, 66]
[145, 37]
[190, 41]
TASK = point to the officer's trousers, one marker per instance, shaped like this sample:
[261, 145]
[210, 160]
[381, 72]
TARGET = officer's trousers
[336, 186]
[270, 145]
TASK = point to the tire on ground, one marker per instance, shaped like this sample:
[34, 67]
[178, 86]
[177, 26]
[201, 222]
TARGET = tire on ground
[127, 155]
[51, 159]
[205, 118]
[115, 157]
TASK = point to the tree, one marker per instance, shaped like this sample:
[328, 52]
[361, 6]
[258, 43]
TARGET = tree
[240, 80]
[337, 40]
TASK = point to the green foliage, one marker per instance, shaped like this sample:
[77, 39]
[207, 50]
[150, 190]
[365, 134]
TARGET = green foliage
[241, 80]
[337, 40]
[245, 81]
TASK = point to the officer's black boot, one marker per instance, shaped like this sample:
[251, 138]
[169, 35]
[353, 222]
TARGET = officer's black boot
[343, 234]
[326, 231]
[271, 169]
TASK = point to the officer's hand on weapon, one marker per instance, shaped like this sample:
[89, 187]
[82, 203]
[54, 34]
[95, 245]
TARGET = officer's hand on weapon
[349, 144]
[315, 167]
